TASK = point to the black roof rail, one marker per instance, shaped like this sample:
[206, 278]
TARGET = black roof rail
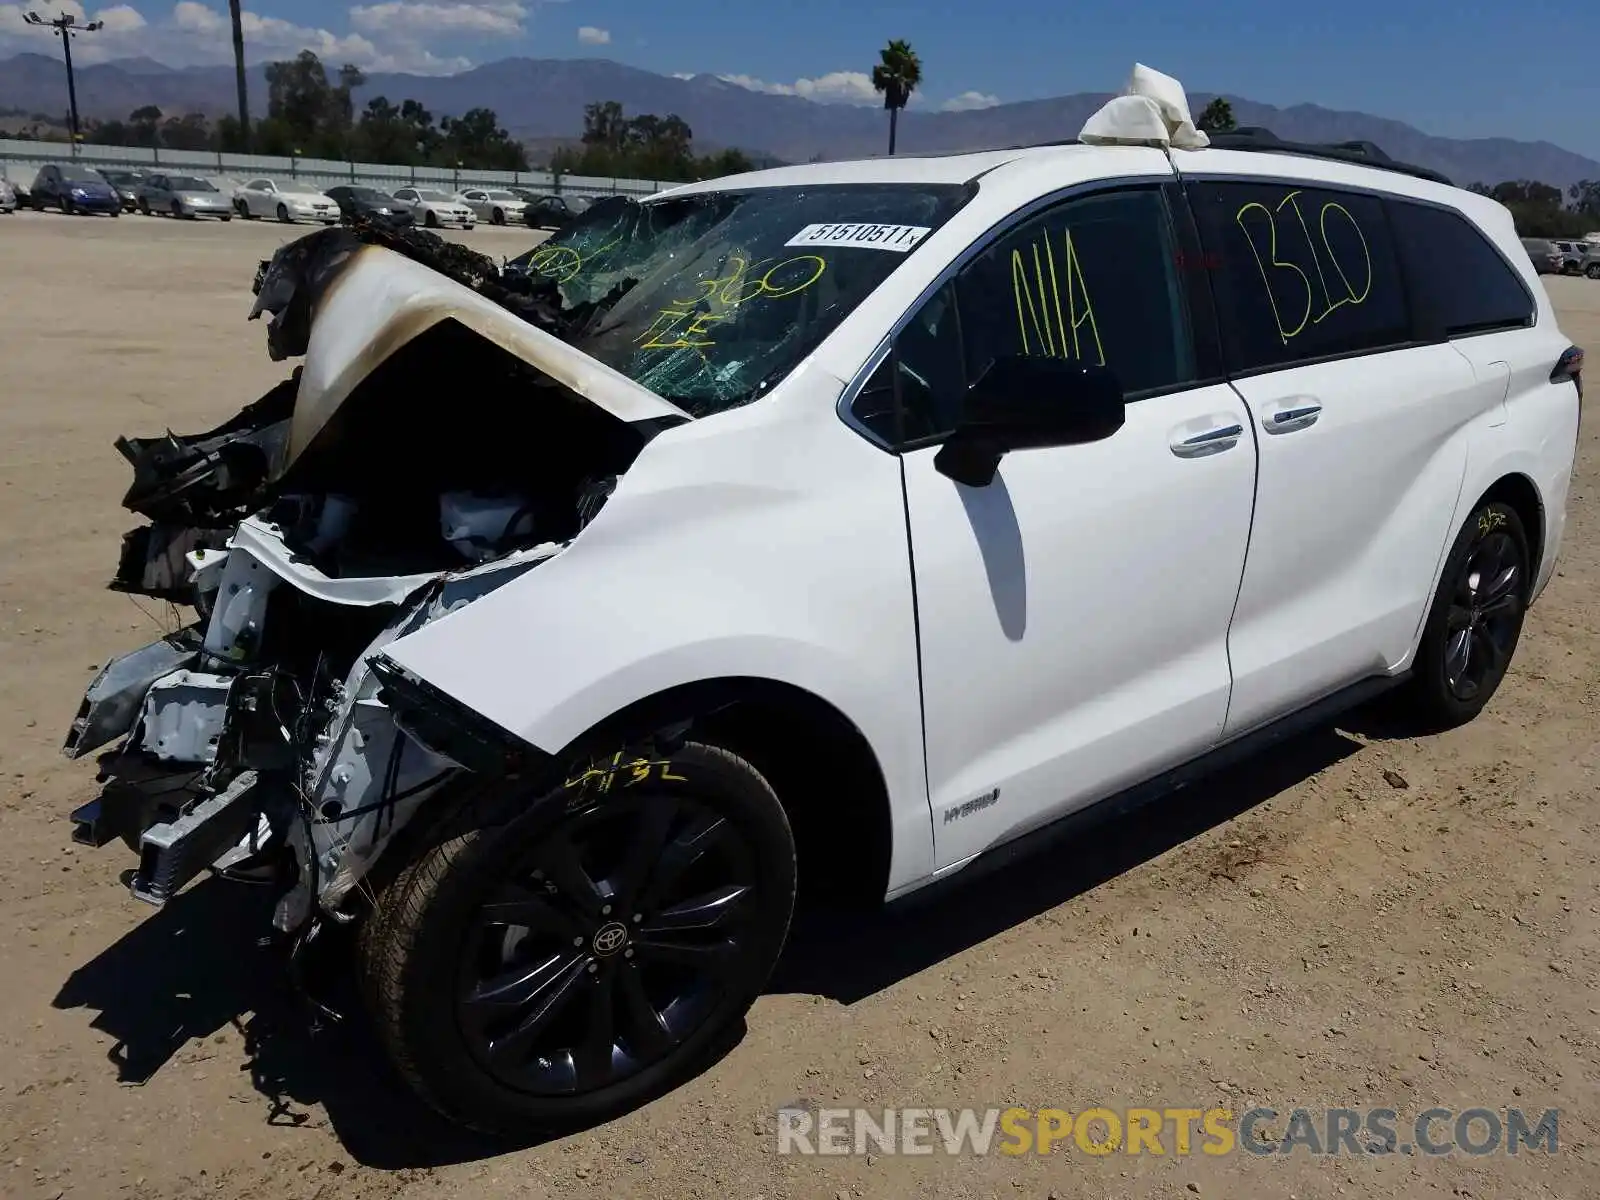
[1254, 137]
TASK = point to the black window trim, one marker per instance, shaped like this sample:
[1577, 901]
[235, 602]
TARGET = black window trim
[1182, 226]
[1415, 341]
[1499, 327]
[1385, 198]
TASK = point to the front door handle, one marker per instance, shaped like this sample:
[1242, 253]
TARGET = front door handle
[1299, 416]
[1212, 441]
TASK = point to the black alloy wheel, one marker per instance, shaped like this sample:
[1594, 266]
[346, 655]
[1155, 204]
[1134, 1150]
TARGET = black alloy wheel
[558, 960]
[606, 945]
[1476, 617]
[1485, 615]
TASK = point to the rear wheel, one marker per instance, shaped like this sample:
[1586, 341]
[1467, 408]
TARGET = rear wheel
[1592, 271]
[556, 959]
[1475, 620]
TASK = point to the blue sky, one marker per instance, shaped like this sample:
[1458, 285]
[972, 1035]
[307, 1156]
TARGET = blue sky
[1462, 70]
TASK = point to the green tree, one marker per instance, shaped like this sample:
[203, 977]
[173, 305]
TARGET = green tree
[897, 75]
[146, 125]
[188, 132]
[478, 139]
[1217, 117]
[1585, 196]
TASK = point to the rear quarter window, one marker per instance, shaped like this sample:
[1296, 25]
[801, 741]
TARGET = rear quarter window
[1459, 283]
[1300, 273]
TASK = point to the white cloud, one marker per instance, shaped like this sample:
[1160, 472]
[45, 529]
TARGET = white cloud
[401, 16]
[969, 102]
[192, 17]
[836, 87]
[590, 35]
[193, 33]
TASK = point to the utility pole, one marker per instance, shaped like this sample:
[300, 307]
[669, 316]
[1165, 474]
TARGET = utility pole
[238, 67]
[66, 27]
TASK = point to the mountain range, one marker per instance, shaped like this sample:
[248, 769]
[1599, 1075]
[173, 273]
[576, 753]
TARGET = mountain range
[540, 100]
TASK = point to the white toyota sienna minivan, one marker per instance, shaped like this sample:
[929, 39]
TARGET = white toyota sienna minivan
[830, 527]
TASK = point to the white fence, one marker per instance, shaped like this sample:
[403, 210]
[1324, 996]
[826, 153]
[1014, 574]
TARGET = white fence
[20, 162]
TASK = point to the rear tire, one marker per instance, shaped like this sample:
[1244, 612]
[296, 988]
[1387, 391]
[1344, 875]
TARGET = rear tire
[1592, 271]
[1475, 621]
[517, 989]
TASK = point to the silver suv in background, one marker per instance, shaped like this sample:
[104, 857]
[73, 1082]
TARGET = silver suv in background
[1546, 258]
[1572, 256]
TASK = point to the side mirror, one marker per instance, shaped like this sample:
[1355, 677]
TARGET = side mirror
[1024, 403]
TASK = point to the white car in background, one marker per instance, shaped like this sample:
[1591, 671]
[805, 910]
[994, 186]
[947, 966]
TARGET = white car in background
[287, 200]
[8, 196]
[433, 207]
[497, 206]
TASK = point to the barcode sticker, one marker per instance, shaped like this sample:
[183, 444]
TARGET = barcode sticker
[898, 238]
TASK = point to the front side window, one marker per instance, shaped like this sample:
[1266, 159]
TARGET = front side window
[711, 299]
[1300, 273]
[1459, 282]
[1092, 280]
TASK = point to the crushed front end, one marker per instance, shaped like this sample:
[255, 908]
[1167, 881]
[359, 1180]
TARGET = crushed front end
[439, 441]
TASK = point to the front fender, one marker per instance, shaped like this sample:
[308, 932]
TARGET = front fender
[769, 545]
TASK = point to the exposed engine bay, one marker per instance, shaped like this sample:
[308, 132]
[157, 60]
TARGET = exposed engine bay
[450, 453]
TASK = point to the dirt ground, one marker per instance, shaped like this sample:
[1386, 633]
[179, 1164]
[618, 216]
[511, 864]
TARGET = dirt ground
[1359, 919]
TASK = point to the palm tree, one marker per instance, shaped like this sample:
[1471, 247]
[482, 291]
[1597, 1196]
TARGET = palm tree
[1217, 117]
[896, 76]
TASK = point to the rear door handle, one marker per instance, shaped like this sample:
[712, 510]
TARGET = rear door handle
[1301, 415]
[1212, 441]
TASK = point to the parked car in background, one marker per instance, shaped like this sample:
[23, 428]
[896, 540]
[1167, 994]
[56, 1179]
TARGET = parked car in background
[8, 196]
[126, 183]
[432, 208]
[74, 189]
[186, 196]
[356, 201]
[495, 205]
[548, 212]
[287, 200]
[183, 196]
[1571, 256]
[1546, 258]
[1589, 263]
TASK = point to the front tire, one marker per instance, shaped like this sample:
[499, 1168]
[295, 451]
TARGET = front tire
[283, 213]
[498, 217]
[553, 960]
[431, 221]
[1475, 620]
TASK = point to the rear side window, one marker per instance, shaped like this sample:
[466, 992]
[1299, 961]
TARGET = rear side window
[1300, 273]
[1459, 283]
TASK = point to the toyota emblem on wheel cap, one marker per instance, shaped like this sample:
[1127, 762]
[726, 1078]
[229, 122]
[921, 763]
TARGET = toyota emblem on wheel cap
[610, 938]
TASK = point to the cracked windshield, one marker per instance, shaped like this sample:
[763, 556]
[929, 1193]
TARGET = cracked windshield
[710, 300]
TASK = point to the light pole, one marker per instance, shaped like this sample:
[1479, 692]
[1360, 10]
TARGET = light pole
[66, 28]
[239, 73]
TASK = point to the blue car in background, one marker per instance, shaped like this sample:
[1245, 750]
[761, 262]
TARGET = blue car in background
[74, 189]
